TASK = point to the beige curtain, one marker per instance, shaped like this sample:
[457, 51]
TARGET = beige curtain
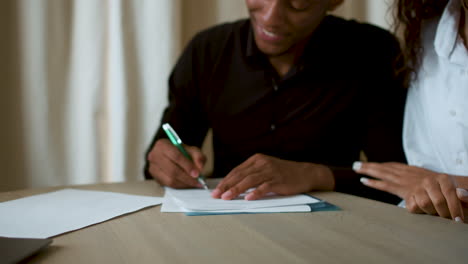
[83, 87]
[83, 82]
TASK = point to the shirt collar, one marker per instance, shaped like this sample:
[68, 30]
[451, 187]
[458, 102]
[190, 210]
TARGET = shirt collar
[447, 38]
[252, 49]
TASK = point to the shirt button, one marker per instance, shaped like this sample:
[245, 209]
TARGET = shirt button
[453, 113]
[459, 161]
[273, 127]
[275, 87]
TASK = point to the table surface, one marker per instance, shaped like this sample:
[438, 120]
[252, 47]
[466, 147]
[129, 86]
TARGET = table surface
[364, 231]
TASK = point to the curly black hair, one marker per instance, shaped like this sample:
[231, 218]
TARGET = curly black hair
[410, 16]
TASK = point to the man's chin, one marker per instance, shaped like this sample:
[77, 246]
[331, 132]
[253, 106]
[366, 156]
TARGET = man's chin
[272, 53]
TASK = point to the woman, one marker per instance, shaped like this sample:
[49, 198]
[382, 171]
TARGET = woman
[435, 135]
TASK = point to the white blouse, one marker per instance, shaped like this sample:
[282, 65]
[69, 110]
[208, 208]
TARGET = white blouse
[435, 132]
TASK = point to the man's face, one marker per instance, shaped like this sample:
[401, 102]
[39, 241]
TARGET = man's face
[279, 25]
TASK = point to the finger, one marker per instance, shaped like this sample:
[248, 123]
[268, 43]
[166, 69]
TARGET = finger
[448, 189]
[185, 163]
[199, 159]
[234, 176]
[173, 173]
[174, 163]
[410, 171]
[412, 206]
[397, 165]
[154, 171]
[462, 194]
[385, 186]
[260, 192]
[250, 181]
[438, 198]
[159, 149]
[164, 150]
[376, 170]
[405, 168]
[166, 180]
[424, 202]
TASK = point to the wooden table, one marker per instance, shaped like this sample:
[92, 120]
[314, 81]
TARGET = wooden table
[365, 231]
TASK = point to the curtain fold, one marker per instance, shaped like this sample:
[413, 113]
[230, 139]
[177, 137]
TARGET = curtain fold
[83, 88]
[84, 82]
[61, 73]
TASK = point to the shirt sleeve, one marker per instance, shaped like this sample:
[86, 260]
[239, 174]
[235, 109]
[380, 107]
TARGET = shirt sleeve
[383, 105]
[185, 112]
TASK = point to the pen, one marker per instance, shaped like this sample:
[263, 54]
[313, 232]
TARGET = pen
[176, 141]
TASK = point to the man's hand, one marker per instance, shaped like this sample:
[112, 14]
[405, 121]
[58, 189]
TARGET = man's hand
[424, 191]
[170, 167]
[269, 174]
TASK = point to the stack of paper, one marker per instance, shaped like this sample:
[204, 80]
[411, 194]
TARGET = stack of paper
[200, 202]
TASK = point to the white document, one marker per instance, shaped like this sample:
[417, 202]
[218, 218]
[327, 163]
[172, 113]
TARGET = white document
[201, 200]
[50, 214]
[170, 206]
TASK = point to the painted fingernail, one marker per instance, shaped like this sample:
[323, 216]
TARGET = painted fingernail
[357, 165]
[194, 173]
[364, 180]
[458, 219]
[215, 193]
[227, 195]
[462, 192]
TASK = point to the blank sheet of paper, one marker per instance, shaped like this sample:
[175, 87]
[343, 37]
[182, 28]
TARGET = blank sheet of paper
[50, 214]
[201, 200]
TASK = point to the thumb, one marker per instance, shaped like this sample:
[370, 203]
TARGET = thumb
[462, 195]
[199, 159]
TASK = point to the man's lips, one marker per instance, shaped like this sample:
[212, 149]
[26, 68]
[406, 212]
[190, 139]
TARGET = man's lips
[270, 35]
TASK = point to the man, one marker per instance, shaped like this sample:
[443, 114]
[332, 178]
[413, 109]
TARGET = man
[292, 96]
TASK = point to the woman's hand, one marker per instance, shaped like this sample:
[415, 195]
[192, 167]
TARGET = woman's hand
[425, 191]
[463, 196]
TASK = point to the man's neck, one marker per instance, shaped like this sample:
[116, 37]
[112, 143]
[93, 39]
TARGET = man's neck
[284, 62]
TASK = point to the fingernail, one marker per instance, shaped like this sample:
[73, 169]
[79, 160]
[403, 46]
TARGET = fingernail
[226, 195]
[458, 219]
[364, 180]
[462, 192]
[215, 193]
[194, 173]
[248, 196]
[357, 165]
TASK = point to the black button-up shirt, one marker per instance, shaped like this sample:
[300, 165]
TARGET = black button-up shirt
[339, 99]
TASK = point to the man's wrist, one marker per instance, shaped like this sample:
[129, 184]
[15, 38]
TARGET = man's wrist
[323, 178]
